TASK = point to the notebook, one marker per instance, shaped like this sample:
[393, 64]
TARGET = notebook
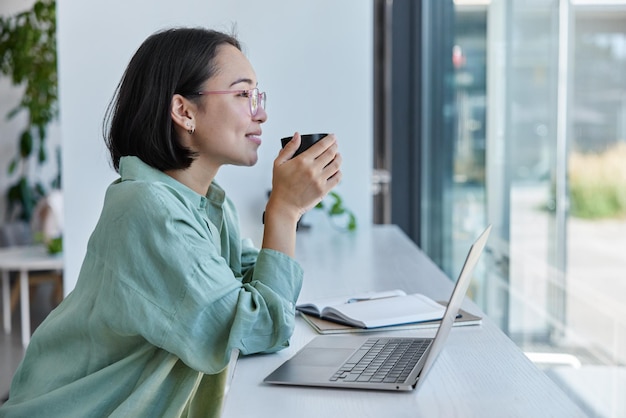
[373, 362]
[322, 326]
[375, 309]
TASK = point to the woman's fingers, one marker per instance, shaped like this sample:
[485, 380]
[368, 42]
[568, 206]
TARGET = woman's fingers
[290, 148]
[303, 181]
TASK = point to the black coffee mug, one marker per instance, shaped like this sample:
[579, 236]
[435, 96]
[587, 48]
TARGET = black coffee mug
[306, 141]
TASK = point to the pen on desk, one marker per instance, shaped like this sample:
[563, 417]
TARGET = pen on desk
[354, 300]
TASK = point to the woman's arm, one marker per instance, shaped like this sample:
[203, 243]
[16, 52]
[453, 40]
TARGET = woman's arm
[298, 184]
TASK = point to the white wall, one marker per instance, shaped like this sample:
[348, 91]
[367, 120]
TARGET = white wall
[10, 130]
[312, 57]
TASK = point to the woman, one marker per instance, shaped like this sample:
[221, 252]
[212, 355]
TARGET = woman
[167, 288]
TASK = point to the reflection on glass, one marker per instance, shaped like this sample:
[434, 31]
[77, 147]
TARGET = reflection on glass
[557, 291]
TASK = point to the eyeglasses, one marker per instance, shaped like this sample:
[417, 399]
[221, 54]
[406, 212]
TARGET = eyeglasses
[255, 97]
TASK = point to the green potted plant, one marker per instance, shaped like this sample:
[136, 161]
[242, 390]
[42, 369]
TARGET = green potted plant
[338, 214]
[28, 56]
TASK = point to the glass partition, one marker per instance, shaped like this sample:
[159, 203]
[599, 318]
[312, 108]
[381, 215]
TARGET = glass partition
[540, 152]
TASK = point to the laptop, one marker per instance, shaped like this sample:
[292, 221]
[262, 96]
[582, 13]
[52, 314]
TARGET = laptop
[377, 362]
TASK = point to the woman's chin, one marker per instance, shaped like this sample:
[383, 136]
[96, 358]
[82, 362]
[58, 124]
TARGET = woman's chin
[251, 161]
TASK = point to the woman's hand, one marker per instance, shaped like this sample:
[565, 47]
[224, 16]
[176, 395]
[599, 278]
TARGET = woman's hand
[301, 182]
[298, 184]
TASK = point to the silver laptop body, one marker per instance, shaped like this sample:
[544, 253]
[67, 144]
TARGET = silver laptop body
[325, 359]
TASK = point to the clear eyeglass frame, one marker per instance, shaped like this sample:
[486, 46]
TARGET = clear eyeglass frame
[256, 98]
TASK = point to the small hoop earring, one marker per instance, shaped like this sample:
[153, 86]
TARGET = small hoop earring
[191, 131]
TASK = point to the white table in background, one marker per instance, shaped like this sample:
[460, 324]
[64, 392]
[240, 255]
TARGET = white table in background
[23, 259]
[480, 372]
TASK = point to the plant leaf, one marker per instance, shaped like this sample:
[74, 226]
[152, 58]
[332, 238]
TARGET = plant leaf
[26, 144]
[12, 166]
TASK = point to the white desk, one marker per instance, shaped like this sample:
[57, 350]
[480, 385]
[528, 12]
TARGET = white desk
[480, 372]
[24, 259]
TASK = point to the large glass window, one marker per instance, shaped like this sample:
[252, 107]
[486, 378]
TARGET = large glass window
[513, 112]
[596, 244]
[540, 151]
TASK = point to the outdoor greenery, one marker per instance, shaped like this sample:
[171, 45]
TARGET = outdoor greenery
[598, 183]
[28, 56]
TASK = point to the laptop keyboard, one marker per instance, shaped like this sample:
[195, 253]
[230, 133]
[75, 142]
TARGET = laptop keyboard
[383, 360]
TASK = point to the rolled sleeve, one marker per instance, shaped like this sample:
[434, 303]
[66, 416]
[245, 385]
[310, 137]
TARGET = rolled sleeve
[258, 316]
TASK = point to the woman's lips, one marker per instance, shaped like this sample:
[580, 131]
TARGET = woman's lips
[254, 138]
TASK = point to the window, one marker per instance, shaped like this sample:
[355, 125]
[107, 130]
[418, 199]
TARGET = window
[514, 113]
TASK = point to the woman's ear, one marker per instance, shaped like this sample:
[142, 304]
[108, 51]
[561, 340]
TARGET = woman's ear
[183, 113]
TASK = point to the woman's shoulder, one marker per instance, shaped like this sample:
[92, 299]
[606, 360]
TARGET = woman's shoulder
[136, 191]
[148, 198]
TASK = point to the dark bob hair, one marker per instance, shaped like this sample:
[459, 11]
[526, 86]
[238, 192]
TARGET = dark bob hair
[138, 121]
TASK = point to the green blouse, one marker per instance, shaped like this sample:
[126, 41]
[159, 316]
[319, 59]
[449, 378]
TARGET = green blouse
[166, 291]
